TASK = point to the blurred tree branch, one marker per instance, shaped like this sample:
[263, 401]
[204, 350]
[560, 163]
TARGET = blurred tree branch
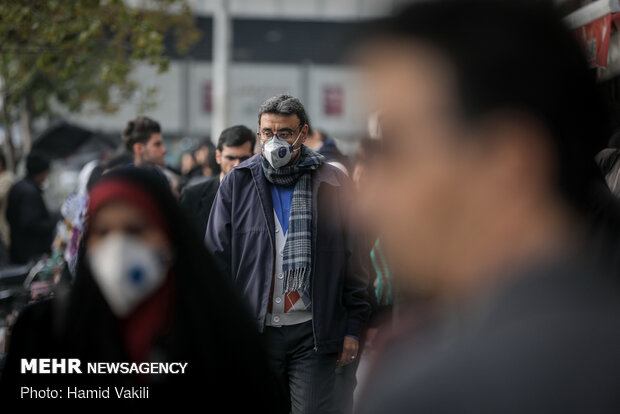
[78, 51]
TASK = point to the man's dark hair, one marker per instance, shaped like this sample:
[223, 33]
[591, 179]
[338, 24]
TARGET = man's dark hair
[515, 56]
[36, 163]
[284, 105]
[236, 136]
[139, 130]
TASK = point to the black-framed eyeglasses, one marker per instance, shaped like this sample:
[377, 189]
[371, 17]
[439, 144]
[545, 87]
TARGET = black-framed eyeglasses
[232, 158]
[284, 134]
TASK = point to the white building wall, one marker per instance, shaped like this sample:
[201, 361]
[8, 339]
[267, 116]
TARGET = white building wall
[250, 85]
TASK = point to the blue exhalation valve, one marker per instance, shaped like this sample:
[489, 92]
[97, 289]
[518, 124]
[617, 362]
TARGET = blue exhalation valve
[136, 275]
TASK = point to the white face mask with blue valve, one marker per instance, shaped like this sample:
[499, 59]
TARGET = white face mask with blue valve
[127, 271]
[279, 152]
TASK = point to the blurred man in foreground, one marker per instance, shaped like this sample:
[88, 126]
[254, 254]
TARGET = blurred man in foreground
[490, 122]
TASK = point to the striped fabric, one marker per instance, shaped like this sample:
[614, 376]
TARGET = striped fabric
[297, 262]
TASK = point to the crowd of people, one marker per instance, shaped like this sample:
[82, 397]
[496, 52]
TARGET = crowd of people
[465, 259]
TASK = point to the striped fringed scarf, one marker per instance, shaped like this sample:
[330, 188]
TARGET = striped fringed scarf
[297, 260]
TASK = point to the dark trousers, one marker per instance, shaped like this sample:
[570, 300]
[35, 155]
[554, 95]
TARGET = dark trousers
[344, 386]
[307, 375]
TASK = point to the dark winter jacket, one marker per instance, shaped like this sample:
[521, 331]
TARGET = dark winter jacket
[32, 225]
[241, 234]
[197, 200]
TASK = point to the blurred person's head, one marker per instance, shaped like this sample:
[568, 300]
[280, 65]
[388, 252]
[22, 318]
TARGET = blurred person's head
[187, 162]
[487, 143]
[206, 158]
[315, 139]
[201, 153]
[128, 243]
[142, 137]
[37, 167]
[283, 126]
[236, 144]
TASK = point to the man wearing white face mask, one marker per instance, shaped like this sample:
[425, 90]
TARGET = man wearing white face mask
[281, 224]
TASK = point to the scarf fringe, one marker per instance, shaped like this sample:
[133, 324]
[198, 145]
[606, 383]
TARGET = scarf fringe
[296, 280]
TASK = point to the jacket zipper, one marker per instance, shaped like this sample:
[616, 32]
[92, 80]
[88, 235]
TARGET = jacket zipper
[273, 249]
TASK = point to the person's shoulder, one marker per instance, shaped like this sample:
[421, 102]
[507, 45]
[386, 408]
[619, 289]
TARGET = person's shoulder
[199, 190]
[330, 173]
[25, 186]
[204, 185]
[414, 372]
[250, 163]
[244, 169]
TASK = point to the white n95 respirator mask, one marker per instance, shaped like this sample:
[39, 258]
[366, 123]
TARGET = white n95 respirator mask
[126, 270]
[279, 152]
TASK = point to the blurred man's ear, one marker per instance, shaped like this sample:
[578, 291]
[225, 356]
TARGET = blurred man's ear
[218, 156]
[137, 148]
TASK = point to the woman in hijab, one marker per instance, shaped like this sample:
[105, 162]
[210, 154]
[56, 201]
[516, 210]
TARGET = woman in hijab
[145, 290]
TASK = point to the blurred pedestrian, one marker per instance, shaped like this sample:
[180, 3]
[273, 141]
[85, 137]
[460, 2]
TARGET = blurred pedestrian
[280, 224]
[320, 142]
[206, 165]
[31, 224]
[236, 144]
[202, 152]
[145, 291]
[486, 193]
[7, 178]
[142, 137]
[187, 163]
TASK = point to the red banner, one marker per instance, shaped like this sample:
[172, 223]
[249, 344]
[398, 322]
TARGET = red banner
[595, 39]
[333, 100]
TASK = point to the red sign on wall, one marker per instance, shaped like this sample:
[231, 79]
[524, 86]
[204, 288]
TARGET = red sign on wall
[333, 100]
[595, 39]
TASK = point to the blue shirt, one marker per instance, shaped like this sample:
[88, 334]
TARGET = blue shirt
[282, 199]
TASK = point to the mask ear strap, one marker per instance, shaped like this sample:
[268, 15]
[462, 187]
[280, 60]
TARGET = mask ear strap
[293, 144]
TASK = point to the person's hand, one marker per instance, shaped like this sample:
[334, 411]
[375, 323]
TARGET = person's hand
[349, 351]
